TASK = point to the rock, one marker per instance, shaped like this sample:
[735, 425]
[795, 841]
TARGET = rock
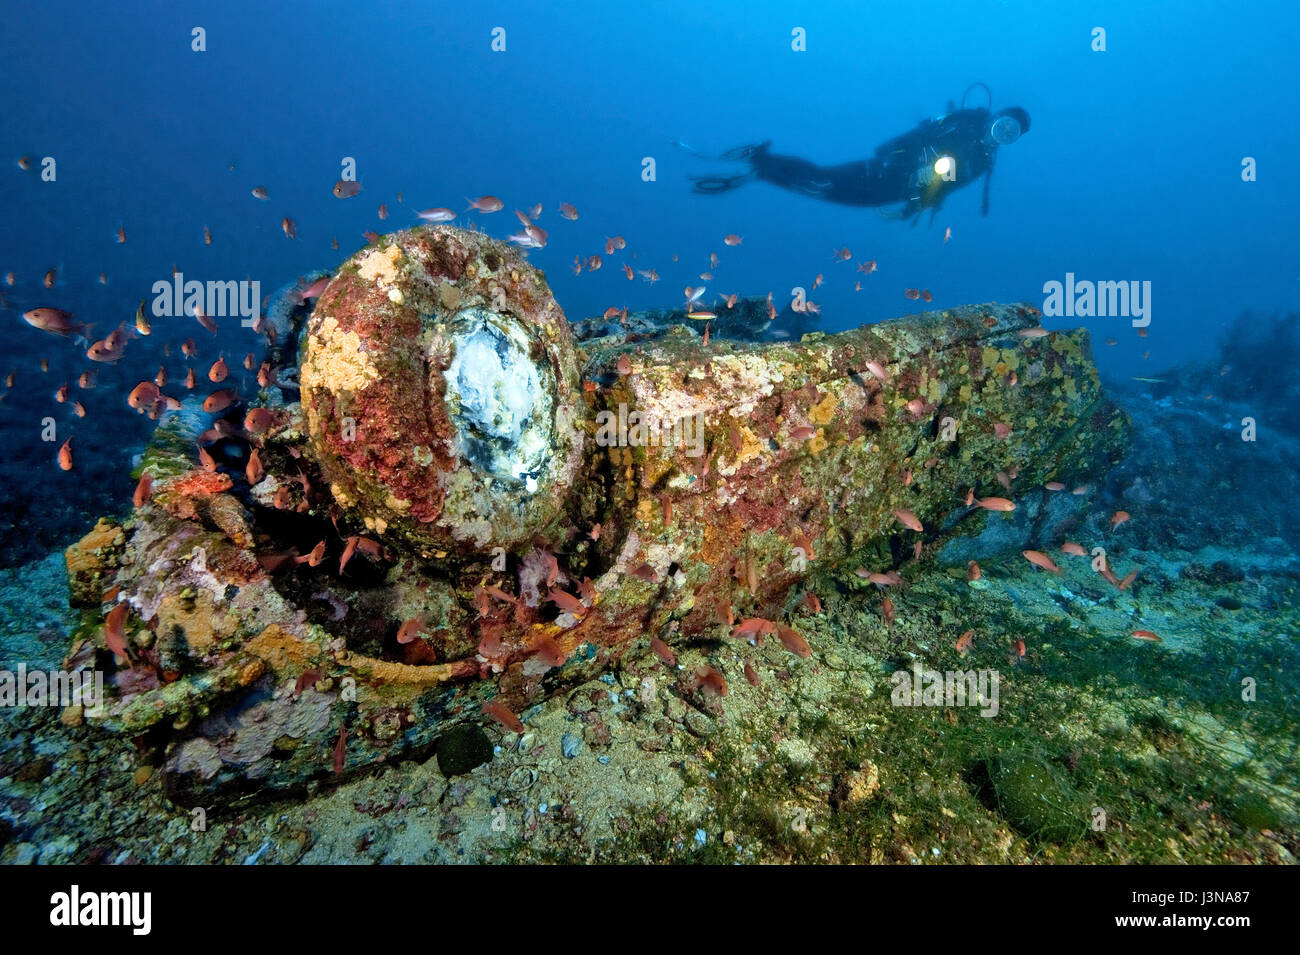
[697, 724]
[92, 562]
[570, 745]
[1036, 799]
[34, 770]
[861, 784]
[462, 749]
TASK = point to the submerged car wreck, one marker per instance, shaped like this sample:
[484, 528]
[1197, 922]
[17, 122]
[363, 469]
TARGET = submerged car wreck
[446, 507]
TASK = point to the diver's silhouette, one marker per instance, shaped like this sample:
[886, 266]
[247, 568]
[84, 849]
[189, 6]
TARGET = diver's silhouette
[919, 168]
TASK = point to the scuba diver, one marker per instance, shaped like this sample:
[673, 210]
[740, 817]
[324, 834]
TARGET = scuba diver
[920, 168]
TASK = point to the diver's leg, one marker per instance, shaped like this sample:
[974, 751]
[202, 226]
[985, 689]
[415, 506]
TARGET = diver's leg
[711, 185]
[797, 175]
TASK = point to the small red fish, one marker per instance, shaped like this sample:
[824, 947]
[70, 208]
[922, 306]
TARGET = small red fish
[663, 652]
[753, 627]
[220, 400]
[996, 504]
[485, 204]
[1039, 559]
[341, 749]
[908, 520]
[314, 558]
[732, 239]
[568, 211]
[1118, 518]
[792, 641]
[115, 632]
[709, 679]
[503, 715]
[143, 490]
[965, 642]
[65, 455]
[566, 602]
[253, 470]
[1146, 635]
[410, 629]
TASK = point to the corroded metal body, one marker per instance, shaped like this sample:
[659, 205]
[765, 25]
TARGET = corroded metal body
[679, 485]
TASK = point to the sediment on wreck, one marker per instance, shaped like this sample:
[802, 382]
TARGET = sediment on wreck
[471, 505]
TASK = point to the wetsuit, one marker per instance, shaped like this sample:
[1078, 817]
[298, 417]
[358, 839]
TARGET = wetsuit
[902, 170]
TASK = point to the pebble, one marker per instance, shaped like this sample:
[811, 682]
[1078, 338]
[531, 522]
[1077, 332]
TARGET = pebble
[570, 745]
[522, 779]
[697, 724]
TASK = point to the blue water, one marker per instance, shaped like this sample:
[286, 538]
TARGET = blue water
[1132, 168]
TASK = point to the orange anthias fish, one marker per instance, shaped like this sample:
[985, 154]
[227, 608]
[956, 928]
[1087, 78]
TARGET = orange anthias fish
[289, 227]
[732, 239]
[220, 400]
[314, 558]
[57, 322]
[115, 632]
[411, 629]
[965, 642]
[1039, 559]
[502, 714]
[1076, 550]
[566, 602]
[912, 293]
[753, 627]
[793, 641]
[568, 211]
[996, 504]
[143, 490]
[663, 652]
[485, 204]
[908, 520]
[65, 455]
[1118, 518]
[1146, 635]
